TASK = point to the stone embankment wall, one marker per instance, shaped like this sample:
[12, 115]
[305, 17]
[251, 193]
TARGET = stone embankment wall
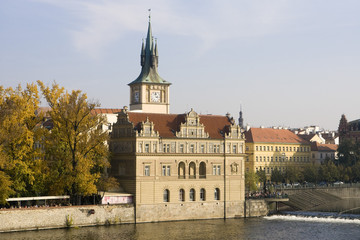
[60, 217]
[256, 208]
[77, 216]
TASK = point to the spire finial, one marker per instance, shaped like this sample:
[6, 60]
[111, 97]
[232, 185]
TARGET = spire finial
[149, 14]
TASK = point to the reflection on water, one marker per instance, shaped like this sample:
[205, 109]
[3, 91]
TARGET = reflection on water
[274, 227]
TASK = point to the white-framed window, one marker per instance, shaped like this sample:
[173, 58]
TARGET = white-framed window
[147, 147]
[181, 148]
[202, 148]
[192, 148]
[147, 170]
[234, 148]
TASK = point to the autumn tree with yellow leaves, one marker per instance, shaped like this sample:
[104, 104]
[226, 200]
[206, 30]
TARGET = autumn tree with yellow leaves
[22, 168]
[76, 144]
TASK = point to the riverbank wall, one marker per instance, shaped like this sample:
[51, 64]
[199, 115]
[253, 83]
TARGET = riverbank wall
[256, 208]
[96, 215]
[63, 217]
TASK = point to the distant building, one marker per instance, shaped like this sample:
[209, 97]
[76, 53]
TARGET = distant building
[349, 130]
[322, 152]
[269, 149]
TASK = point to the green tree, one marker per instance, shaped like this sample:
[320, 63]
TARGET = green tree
[291, 175]
[251, 180]
[311, 173]
[276, 176]
[76, 145]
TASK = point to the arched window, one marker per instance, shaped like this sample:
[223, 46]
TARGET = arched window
[181, 195]
[181, 170]
[217, 194]
[202, 194]
[166, 195]
[202, 170]
[192, 170]
[192, 195]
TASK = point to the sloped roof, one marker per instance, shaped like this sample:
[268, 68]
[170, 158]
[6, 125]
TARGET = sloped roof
[106, 110]
[323, 147]
[270, 135]
[168, 124]
[307, 137]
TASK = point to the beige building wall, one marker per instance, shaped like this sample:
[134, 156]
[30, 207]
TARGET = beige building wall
[156, 169]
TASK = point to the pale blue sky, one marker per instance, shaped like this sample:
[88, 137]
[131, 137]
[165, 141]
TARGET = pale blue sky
[288, 62]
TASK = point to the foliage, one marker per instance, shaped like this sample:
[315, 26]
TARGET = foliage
[22, 165]
[251, 180]
[76, 145]
[105, 184]
[292, 175]
[276, 176]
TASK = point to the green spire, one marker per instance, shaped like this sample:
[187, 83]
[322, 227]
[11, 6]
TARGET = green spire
[149, 61]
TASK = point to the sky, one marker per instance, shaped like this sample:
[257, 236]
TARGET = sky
[289, 63]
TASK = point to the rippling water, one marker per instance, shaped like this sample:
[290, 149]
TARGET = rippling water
[269, 228]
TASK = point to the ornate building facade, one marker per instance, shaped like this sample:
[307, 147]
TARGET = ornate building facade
[177, 166]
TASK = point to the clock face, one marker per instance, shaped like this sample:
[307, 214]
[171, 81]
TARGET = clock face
[155, 96]
[136, 97]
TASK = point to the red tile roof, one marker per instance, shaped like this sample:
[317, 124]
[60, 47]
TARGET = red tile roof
[270, 135]
[168, 124]
[106, 110]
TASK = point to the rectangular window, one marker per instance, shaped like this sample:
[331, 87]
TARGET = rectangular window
[163, 172]
[234, 148]
[257, 158]
[140, 147]
[214, 170]
[272, 158]
[260, 148]
[217, 148]
[272, 148]
[256, 148]
[219, 170]
[154, 147]
[147, 170]
[181, 148]
[147, 148]
[167, 148]
[192, 148]
[202, 147]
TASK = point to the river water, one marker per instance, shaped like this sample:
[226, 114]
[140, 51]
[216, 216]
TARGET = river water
[311, 226]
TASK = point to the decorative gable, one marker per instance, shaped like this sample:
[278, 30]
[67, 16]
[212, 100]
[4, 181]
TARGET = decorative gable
[147, 129]
[192, 128]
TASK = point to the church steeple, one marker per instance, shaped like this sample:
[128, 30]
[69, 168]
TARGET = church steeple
[149, 92]
[149, 61]
[241, 120]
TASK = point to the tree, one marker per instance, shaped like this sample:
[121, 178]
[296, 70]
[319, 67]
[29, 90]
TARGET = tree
[23, 167]
[292, 174]
[251, 180]
[311, 173]
[276, 176]
[76, 145]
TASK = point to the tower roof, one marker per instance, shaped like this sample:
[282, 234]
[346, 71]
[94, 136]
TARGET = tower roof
[149, 62]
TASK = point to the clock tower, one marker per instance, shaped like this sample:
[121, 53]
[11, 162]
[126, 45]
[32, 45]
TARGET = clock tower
[149, 92]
